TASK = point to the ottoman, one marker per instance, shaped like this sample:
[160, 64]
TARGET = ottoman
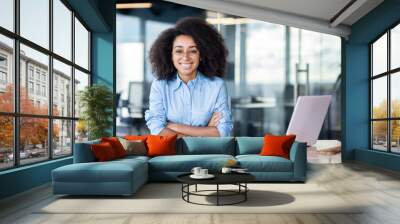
[118, 177]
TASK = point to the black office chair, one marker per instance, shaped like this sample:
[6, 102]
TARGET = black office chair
[131, 117]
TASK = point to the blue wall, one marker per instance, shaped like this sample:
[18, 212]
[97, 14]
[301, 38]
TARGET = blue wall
[102, 64]
[356, 84]
[24, 178]
[99, 16]
[103, 51]
[102, 58]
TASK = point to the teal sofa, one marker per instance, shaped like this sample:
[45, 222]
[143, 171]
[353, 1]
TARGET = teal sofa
[125, 176]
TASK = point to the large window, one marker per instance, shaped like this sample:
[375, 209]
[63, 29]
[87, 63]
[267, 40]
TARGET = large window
[385, 94]
[40, 80]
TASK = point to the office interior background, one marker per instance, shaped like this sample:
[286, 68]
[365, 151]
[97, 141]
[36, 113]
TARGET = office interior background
[269, 66]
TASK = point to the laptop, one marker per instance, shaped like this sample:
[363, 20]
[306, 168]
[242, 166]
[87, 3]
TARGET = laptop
[308, 117]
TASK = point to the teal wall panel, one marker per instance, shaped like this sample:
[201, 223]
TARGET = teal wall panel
[356, 100]
[356, 83]
[102, 58]
[103, 52]
[91, 13]
[24, 178]
[380, 159]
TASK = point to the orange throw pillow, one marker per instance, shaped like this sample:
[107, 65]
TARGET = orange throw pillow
[136, 137]
[103, 152]
[161, 145]
[277, 145]
[116, 145]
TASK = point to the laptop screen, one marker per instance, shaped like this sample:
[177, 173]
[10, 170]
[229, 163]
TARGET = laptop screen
[308, 117]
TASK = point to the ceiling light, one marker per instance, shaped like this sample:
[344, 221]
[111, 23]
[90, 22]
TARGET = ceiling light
[229, 21]
[143, 5]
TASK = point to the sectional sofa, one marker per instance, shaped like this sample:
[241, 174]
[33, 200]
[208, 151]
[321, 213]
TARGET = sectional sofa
[125, 176]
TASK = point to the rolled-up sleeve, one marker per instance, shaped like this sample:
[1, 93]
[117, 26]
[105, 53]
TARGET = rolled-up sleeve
[225, 124]
[155, 116]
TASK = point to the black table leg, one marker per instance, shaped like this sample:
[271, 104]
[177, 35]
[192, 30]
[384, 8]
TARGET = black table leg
[245, 193]
[220, 193]
[188, 190]
[217, 194]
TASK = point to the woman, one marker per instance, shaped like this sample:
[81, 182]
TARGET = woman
[189, 98]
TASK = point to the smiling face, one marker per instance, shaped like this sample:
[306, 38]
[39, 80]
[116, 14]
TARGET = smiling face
[186, 57]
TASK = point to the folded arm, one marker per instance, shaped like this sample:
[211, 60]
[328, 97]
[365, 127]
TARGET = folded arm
[219, 125]
[209, 131]
[225, 124]
[155, 116]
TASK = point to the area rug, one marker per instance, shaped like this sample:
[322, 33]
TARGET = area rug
[166, 198]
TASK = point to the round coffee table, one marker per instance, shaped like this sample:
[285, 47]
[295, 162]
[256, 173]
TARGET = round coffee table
[238, 179]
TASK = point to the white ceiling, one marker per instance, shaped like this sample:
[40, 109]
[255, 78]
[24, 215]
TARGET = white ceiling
[321, 9]
[313, 15]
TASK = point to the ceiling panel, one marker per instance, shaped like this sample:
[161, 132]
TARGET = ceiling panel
[315, 15]
[320, 9]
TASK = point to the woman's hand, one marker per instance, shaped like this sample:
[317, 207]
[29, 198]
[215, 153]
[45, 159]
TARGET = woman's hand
[173, 126]
[214, 119]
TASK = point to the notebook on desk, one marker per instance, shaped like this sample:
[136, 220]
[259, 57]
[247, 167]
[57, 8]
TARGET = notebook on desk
[308, 117]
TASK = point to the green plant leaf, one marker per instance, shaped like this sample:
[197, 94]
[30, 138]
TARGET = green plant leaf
[96, 102]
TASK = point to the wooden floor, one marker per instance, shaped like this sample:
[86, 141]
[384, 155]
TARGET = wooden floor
[377, 188]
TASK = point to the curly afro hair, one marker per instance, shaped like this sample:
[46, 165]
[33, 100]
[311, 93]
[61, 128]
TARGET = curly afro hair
[209, 41]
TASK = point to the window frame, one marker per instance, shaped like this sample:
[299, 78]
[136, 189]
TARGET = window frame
[388, 74]
[16, 115]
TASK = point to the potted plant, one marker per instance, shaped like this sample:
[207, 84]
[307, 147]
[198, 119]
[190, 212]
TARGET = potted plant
[96, 104]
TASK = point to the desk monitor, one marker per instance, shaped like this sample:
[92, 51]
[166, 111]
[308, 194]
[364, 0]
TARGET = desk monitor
[308, 117]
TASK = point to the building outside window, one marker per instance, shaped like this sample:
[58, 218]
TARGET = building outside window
[38, 89]
[43, 90]
[3, 61]
[37, 74]
[30, 87]
[30, 72]
[3, 72]
[55, 99]
[3, 78]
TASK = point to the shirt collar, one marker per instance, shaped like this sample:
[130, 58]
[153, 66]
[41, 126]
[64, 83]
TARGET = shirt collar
[178, 81]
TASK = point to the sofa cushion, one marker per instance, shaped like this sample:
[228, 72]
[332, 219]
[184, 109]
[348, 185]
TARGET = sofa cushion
[116, 145]
[159, 145]
[134, 147]
[83, 152]
[131, 158]
[103, 152]
[207, 145]
[277, 145]
[185, 163]
[257, 163]
[136, 137]
[111, 171]
[249, 145]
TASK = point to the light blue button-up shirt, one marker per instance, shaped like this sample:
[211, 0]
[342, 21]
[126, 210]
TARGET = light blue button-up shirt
[192, 104]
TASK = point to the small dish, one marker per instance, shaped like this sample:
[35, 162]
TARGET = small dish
[208, 176]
